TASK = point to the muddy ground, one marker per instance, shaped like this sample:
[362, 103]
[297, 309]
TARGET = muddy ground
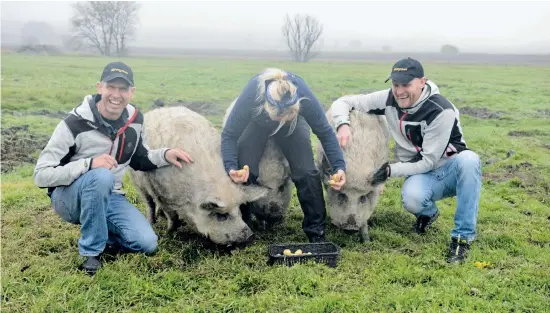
[201, 107]
[482, 113]
[19, 146]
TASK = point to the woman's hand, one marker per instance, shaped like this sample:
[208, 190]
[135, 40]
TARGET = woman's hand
[338, 180]
[239, 176]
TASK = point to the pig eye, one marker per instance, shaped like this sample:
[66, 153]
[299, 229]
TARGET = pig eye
[281, 188]
[209, 206]
[363, 199]
[220, 216]
[342, 198]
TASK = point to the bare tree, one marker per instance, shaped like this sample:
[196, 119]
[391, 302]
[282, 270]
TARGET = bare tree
[301, 34]
[105, 25]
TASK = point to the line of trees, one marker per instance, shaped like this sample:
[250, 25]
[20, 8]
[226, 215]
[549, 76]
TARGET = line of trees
[108, 26]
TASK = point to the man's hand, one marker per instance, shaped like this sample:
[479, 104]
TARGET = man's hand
[381, 174]
[172, 156]
[338, 180]
[239, 176]
[344, 135]
[104, 161]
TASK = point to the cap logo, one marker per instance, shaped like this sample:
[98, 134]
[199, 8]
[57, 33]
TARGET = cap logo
[119, 70]
[399, 69]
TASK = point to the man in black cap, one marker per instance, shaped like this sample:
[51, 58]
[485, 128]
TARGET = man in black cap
[430, 148]
[84, 163]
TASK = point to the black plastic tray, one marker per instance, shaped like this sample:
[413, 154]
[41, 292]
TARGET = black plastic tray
[324, 252]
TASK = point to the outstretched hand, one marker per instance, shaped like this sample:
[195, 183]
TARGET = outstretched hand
[338, 180]
[239, 176]
[343, 135]
[172, 156]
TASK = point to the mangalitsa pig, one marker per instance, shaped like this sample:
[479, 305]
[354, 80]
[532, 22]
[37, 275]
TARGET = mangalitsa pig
[201, 193]
[274, 174]
[352, 206]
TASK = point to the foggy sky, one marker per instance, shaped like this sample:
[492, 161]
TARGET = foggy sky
[495, 26]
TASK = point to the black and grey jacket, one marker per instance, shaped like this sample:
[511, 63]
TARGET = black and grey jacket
[81, 136]
[426, 135]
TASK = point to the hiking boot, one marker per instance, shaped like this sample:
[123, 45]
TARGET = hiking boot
[309, 190]
[458, 250]
[424, 221]
[91, 265]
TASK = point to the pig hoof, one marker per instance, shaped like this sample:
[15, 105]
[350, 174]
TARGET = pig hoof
[172, 226]
[365, 235]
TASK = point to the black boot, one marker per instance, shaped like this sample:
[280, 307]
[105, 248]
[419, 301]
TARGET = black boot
[310, 195]
[91, 265]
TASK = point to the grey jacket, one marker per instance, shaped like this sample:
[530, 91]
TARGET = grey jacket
[426, 135]
[81, 136]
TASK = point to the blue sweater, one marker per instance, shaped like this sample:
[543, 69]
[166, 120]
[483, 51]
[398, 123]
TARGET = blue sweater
[310, 108]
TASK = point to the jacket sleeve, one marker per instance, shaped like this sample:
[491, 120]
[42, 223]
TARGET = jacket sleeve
[145, 159]
[53, 167]
[374, 103]
[435, 142]
[237, 121]
[315, 116]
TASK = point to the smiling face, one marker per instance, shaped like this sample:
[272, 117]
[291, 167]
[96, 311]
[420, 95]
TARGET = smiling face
[115, 96]
[407, 94]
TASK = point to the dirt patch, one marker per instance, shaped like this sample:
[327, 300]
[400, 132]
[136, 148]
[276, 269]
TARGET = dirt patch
[58, 114]
[53, 114]
[543, 113]
[525, 133]
[482, 113]
[201, 107]
[18, 146]
[523, 175]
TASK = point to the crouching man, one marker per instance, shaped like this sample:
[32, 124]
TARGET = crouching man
[430, 148]
[84, 163]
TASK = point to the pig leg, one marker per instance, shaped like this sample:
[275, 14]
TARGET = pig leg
[246, 213]
[173, 221]
[365, 233]
[151, 208]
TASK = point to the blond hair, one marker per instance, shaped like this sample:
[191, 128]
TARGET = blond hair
[279, 85]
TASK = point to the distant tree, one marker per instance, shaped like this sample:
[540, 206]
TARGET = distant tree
[355, 44]
[449, 49]
[301, 34]
[105, 25]
[36, 33]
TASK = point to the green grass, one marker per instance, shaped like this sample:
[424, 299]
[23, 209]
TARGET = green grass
[399, 271]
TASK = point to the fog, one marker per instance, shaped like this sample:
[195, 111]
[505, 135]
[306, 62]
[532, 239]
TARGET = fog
[477, 27]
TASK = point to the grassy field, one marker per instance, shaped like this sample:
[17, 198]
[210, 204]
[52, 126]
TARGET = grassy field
[506, 119]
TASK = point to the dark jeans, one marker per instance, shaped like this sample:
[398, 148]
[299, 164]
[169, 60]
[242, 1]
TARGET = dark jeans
[299, 153]
[296, 148]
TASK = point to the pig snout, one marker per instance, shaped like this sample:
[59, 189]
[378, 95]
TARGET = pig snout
[350, 224]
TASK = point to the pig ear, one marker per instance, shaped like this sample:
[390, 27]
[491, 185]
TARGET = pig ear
[253, 193]
[212, 204]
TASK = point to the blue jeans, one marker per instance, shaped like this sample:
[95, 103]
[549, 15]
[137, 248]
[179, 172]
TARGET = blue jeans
[104, 216]
[460, 177]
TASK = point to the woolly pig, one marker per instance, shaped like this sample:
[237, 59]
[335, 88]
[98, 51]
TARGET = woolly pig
[201, 193]
[274, 173]
[368, 150]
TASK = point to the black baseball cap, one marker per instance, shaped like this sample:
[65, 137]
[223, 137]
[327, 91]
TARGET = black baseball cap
[406, 70]
[117, 70]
